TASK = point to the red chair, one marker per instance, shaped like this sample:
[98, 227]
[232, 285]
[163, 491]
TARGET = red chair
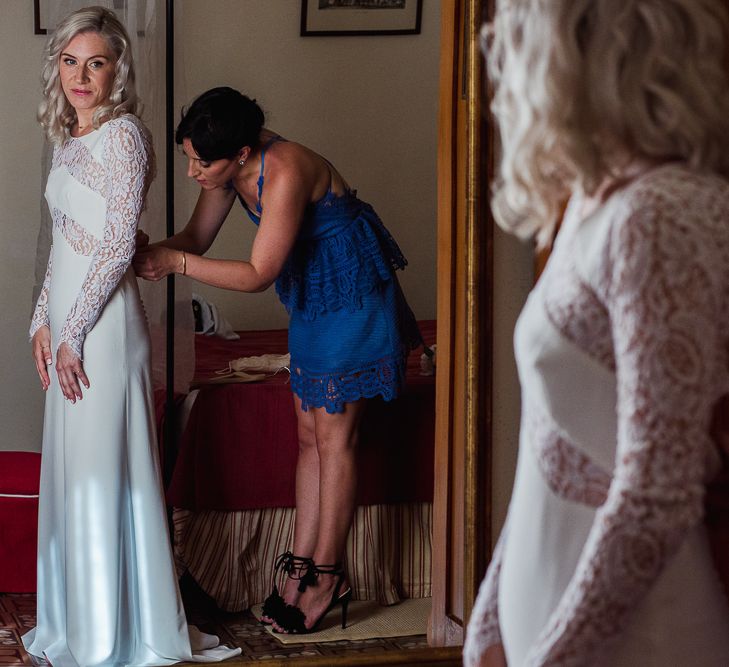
[19, 481]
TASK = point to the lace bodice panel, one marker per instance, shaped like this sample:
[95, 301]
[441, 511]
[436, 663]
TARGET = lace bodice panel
[652, 308]
[122, 179]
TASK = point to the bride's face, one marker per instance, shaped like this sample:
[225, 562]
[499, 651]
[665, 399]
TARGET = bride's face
[87, 67]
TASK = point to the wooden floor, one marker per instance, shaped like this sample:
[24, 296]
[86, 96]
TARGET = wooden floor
[17, 616]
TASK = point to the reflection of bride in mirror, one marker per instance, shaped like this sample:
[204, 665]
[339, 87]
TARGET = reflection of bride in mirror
[107, 589]
[350, 328]
[623, 344]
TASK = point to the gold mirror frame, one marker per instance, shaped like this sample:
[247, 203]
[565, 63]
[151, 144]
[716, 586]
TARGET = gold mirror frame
[463, 385]
[462, 499]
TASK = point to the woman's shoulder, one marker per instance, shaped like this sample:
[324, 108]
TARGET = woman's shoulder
[675, 210]
[282, 152]
[127, 134]
[128, 125]
[662, 206]
[676, 190]
[669, 201]
[291, 162]
[287, 161]
[128, 120]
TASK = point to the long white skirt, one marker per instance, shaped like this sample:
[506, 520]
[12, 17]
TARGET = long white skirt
[107, 590]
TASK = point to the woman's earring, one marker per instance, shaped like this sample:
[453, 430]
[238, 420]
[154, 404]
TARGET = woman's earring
[242, 162]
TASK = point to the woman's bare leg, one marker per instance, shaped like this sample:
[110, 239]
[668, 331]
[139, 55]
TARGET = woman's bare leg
[336, 442]
[336, 437]
[306, 527]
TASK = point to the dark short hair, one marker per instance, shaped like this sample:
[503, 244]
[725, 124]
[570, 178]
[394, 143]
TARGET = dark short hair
[220, 122]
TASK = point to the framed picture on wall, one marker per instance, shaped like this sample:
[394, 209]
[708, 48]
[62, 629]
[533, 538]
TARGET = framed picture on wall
[38, 26]
[39, 13]
[332, 18]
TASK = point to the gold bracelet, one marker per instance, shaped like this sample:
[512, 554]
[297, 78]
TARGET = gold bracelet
[184, 263]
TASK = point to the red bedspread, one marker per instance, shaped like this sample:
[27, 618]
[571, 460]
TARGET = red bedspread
[239, 448]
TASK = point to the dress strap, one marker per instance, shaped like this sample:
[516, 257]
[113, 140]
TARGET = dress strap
[266, 146]
[332, 171]
[255, 218]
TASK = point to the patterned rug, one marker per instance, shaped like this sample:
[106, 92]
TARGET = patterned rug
[17, 616]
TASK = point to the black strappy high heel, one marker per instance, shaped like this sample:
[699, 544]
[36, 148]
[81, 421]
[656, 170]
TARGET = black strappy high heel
[292, 620]
[295, 567]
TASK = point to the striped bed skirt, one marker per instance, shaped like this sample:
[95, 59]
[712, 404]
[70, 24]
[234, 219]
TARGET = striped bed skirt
[231, 555]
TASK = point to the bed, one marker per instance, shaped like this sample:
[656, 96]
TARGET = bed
[232, 482]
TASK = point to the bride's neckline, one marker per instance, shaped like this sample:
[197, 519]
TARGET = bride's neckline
[87, 133]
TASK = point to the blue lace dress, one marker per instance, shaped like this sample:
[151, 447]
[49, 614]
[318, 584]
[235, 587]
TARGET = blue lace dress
[350, 328]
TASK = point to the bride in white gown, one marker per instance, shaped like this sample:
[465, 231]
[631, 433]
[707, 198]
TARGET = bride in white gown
[107, 591]
[623, 344]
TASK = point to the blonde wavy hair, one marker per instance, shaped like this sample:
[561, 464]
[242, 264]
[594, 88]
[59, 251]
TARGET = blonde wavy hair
[584, 87]
[55, 113]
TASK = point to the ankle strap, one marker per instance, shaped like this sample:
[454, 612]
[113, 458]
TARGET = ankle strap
[292, 565]
[313, 571]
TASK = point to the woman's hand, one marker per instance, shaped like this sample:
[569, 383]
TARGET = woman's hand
[42, 355]
[70, 370]
[141, 239]
[155, 262]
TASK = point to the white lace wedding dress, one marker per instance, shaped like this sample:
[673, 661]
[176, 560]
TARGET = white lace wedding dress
[107, 591]
[623, 351]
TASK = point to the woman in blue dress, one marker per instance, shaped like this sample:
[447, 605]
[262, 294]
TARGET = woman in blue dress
[350, 331]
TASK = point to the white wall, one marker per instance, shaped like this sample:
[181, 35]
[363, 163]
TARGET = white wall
[21, 398]
[369, 104]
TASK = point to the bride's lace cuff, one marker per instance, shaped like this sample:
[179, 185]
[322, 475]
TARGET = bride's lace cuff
[126, 161]
[483, 627]
[40, 314]
[662, 300]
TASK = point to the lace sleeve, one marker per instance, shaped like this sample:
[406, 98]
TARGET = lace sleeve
[664, 301]
[126, 161]
[40, 314]
[483, 627]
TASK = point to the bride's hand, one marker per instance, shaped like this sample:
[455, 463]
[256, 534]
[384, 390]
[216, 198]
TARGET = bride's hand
[474, 656]
[720, 425]
[41, 344]
[70, 370]
[494, 656]
[155, 262]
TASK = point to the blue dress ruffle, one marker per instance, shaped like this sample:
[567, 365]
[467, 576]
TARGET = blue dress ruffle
[329, 271]
[332, 391]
